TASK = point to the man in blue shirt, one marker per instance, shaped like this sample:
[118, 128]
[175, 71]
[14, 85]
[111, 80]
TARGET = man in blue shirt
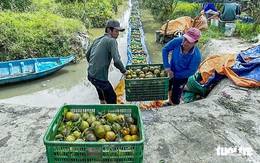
[184, 62]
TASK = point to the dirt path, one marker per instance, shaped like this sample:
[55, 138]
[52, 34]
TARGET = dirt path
[230, 45]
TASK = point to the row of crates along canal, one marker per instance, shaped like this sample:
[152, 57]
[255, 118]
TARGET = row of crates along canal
[147, 81]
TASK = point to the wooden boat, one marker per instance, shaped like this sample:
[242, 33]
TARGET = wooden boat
[28, 69]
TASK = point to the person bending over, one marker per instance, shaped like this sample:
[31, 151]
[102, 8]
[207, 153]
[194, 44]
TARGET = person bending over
[185, 58]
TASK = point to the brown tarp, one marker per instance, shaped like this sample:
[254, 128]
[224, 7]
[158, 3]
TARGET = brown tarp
[200, 22]
[184, 23]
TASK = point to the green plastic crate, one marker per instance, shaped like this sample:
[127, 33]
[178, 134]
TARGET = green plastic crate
[147, 89]
[95, 152]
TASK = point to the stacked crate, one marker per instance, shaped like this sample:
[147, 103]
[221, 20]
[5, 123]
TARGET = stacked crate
[137, 52]
[148, 87]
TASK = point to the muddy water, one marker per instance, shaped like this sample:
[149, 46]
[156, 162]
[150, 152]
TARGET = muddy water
[70, 84]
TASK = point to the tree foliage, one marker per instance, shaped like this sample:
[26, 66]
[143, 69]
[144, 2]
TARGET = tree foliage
[15, 5]
[93, 12]
[252, 8]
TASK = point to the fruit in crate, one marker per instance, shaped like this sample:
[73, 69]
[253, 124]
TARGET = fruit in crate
[134, 76]
[163, 74]
[145, 69]
[110, 136]
[135, 45]
[137, 52]
[139, 55]
[100, 131]
[139, 61]
[93, 127]
[146, 72]
[149, 75]
[135, 39]
[129, 76]
[138, 71]
[156, 72]
[142, 76]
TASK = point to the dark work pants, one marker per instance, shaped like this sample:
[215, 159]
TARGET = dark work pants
[105, 90]
[176, 85]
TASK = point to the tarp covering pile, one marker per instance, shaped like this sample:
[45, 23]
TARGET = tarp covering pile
[243, 68]
[183, 23]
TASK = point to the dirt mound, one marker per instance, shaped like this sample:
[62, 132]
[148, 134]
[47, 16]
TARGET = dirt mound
[230, 45]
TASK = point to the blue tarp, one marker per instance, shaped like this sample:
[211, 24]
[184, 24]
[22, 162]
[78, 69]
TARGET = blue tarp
[248, 69]
[247, 65]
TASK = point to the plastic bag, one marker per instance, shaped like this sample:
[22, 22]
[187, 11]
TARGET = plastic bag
[84, 39]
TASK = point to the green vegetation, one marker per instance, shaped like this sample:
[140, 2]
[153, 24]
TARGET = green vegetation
[248, 31]
[47, 28]
[211, 32]
[15, 5]
[26, 35]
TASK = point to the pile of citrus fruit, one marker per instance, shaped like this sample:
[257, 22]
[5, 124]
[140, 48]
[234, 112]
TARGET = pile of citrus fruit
[100, 127]
[145, 72]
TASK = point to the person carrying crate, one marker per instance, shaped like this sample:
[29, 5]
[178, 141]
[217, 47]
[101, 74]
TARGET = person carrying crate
[99, 57]
[185, 58]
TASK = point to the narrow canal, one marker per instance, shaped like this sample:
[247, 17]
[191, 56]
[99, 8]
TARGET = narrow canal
[70, 84]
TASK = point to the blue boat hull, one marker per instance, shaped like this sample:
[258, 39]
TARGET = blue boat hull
[28, 69]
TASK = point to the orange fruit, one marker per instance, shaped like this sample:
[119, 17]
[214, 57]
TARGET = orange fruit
[69, 115]
[110, 136]
[83, 125]
[76, 133]
[102, 140]
[75, 117]
[70, 138]
[135, 137]
[128, 138]
[100, 131]
[111, 117]
[133, 129]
